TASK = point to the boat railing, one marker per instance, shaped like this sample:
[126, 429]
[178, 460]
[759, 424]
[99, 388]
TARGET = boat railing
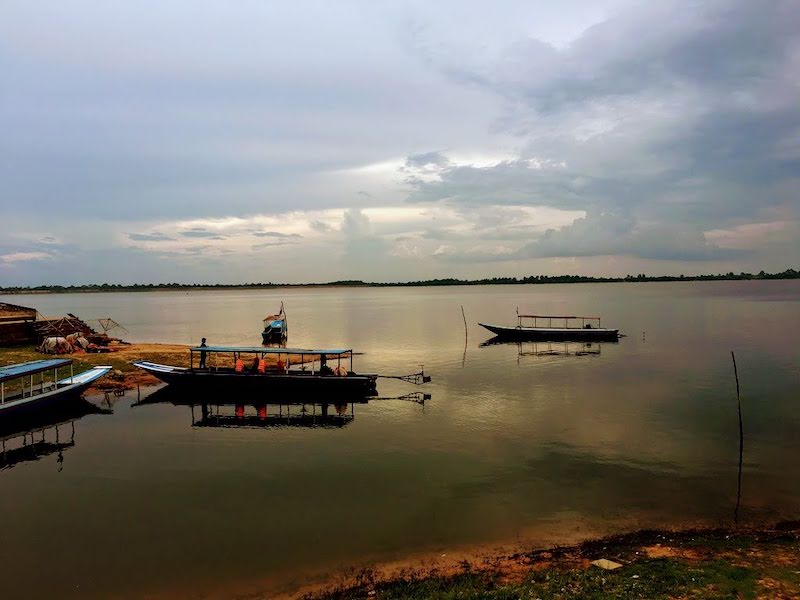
[562, 322]
[31, 380]
[305, 358]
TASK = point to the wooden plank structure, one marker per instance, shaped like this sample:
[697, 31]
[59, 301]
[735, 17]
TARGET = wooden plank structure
[16, 324]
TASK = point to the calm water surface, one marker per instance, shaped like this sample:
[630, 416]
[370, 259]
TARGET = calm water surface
[511, 445]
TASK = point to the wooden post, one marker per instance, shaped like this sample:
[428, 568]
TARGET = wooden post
[741, 441]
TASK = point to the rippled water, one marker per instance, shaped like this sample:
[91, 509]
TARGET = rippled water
[511, 445]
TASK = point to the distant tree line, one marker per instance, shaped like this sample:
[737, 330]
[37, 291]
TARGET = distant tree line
[532, 279]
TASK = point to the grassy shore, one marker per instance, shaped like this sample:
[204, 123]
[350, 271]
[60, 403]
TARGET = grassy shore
[719, 563]
[120, 360]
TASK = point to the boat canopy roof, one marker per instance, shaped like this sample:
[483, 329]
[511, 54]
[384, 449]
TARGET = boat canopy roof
[263, 350]
[556, 317]
[32, 367]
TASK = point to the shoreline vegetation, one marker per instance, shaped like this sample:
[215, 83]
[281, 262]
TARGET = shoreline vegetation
[742, 562]
[530, 280]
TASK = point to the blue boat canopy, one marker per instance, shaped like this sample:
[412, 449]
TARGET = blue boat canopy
[263, 350]
[32, 367]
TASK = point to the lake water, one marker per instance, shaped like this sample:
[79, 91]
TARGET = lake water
[510, 446]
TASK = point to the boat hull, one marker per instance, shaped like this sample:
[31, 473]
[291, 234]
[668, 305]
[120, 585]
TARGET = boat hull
[553, 333]
[67, 391]
[273, 336]
[264, 386]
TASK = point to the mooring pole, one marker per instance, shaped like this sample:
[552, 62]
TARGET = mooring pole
[741, 441]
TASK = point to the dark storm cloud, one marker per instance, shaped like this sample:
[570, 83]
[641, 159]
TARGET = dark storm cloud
[662, 122]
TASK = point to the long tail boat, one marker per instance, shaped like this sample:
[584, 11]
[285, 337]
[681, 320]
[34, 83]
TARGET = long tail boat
[554, 328]
[246, 369]
[36, 385]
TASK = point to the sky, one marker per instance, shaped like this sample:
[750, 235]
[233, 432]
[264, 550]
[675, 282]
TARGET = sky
[251, 141]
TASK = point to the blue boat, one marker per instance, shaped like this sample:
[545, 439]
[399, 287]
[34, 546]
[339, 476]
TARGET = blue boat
[276, 328]
[36, 385]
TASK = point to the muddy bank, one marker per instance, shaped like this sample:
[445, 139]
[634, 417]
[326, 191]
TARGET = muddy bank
[698, 563]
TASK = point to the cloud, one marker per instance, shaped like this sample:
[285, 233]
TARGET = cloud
[320, 226]
[427, 159]
[15, 257]
[607, 234]
[150, 237]
[276, 234]
[690, 128]
[199, 232]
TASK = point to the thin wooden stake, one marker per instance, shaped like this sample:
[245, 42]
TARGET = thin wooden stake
[741, 441]
[466, 338]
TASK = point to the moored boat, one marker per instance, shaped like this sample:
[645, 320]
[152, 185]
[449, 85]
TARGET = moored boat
[35, 385]
[276, 328]
[554, 328]
[294, 370]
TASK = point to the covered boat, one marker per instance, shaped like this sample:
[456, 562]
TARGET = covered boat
[36, 385]
[276, 328]
[549, 327]
[246, 369]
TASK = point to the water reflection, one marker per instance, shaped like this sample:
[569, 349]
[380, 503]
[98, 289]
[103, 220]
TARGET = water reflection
[33, 437]
[548, 347]
[212, 412]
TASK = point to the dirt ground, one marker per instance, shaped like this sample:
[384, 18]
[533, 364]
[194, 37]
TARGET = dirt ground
[738, 562]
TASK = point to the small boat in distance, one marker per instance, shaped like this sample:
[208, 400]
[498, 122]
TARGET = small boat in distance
[28, 386]
[550, 327]
[276, 328]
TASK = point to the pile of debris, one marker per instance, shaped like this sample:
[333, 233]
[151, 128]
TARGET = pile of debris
[71, 334]
[20, 325]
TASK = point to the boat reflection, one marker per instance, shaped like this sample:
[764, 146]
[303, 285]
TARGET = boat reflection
[265, 416]
[35, 436]
[208, 411]
[548, 347]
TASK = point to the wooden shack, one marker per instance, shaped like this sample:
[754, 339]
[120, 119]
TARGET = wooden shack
[17, 325]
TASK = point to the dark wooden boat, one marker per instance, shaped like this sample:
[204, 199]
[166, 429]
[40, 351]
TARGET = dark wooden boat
[542, 327]
[35, 385]
[310, 375]
[276, 328]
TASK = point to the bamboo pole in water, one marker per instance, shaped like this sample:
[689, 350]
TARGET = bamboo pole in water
[466, 337]
[741, 441]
